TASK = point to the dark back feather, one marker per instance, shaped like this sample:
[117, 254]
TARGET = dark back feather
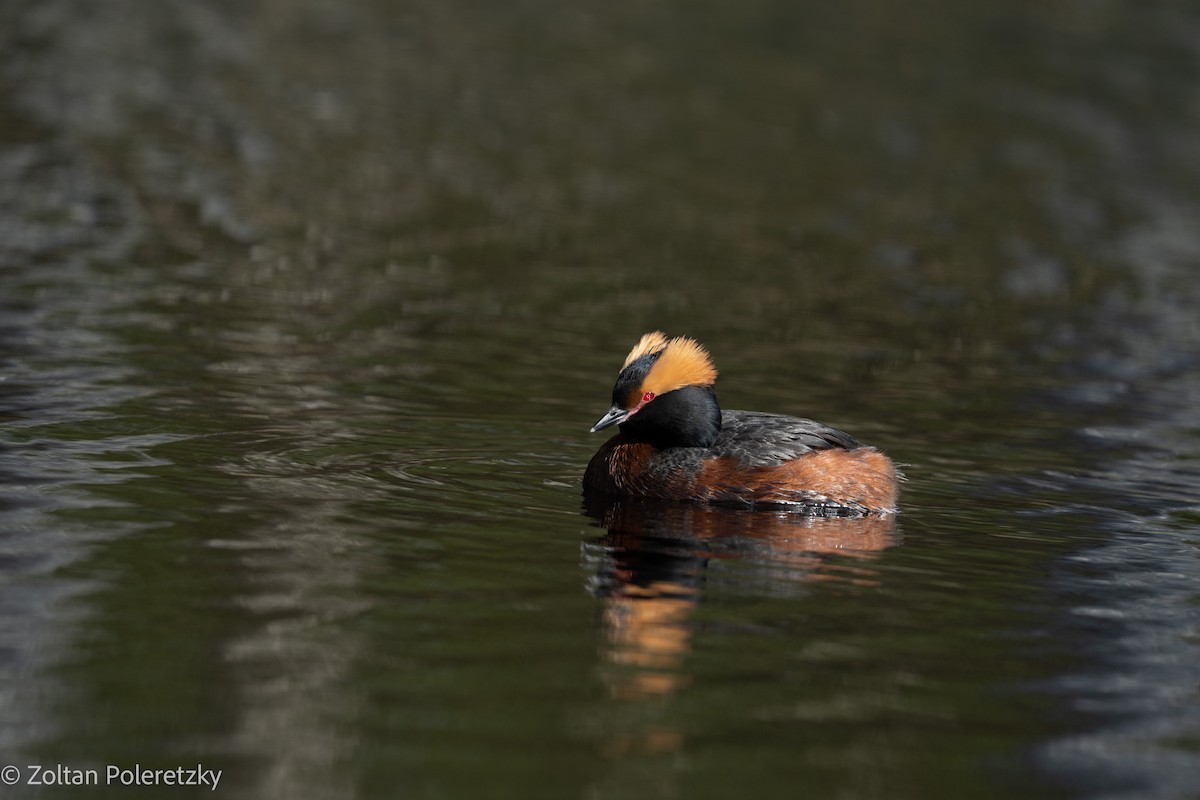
[766, 440]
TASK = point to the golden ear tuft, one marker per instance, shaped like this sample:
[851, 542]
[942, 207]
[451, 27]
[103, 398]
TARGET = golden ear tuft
[682, 362]
[650, 343]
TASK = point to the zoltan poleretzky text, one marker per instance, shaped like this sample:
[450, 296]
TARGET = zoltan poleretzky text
[111, 775]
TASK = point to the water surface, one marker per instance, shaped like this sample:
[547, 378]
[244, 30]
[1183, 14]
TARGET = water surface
[307, 308]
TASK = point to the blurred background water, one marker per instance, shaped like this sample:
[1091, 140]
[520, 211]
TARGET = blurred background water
[306, 308]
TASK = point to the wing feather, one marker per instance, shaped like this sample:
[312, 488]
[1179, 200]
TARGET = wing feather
[764, 440]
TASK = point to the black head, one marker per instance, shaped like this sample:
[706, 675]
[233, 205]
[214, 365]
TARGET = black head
[664, 395]
[687, 417]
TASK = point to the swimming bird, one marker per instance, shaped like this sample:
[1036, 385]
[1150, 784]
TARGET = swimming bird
[675, 443]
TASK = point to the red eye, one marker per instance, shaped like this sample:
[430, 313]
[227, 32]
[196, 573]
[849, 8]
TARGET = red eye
[647, 397]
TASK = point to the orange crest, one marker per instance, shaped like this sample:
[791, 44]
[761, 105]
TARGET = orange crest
[681, 362]
[650, 343]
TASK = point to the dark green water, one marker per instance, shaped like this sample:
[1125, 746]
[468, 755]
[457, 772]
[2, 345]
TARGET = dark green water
[306, 308]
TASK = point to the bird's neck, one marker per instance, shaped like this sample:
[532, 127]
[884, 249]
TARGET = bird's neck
[687, 417]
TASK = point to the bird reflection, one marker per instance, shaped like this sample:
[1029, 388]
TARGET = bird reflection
[649, 571]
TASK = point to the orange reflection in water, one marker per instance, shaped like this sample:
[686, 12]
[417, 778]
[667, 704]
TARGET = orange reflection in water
[650, 577]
